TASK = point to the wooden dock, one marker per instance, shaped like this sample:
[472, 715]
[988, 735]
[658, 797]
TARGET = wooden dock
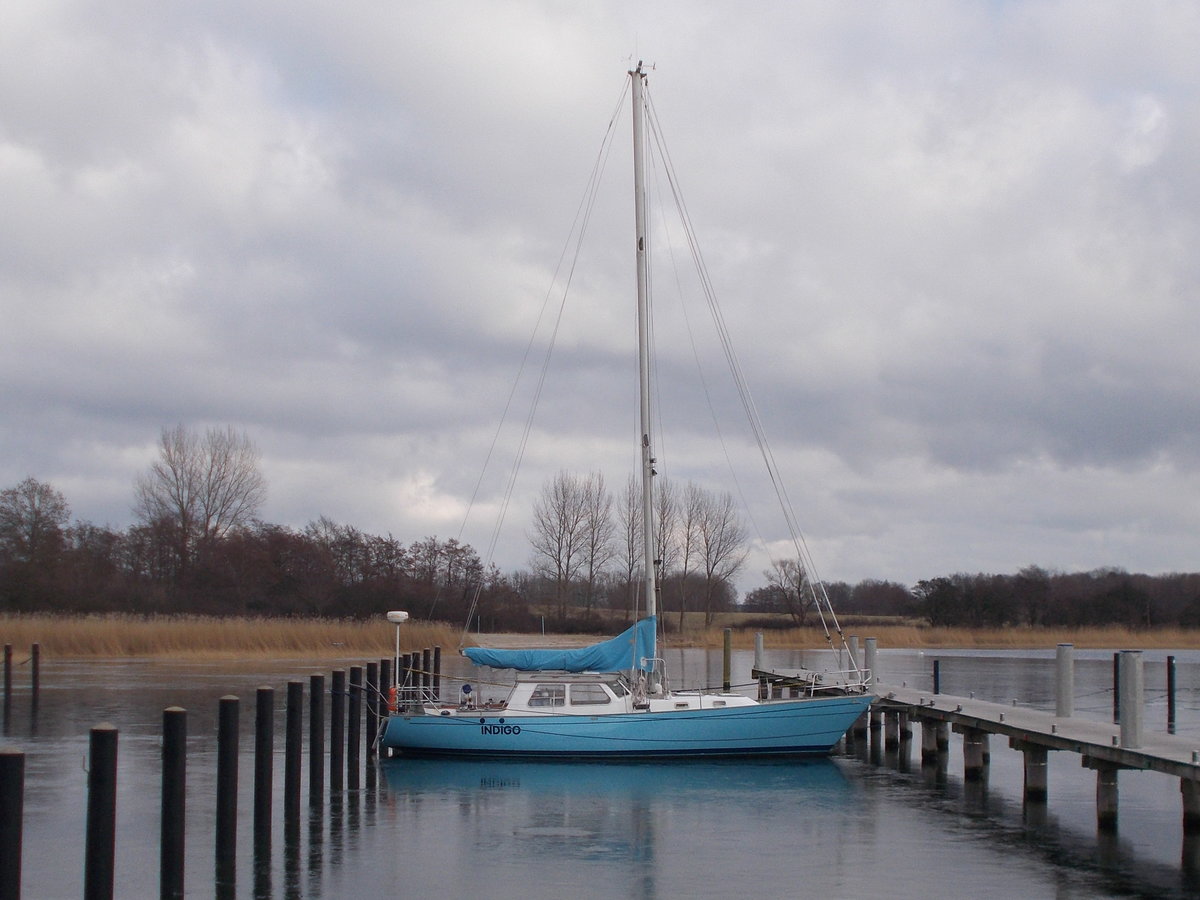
[1106, 747]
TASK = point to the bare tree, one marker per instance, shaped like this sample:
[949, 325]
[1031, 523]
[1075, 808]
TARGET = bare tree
[32, 517]
[690, 518]
[559, 535]
[666, 512]
[721, 540]
[788, 579]
[629, 516]
[599, 531]
[202, 486]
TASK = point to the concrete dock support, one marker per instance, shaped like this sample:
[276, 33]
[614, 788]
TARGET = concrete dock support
[930, 729]
[1191, 805]
[1036, 771]
[891, 730]
[976, 754]
[1064, 681]
[1106, 796]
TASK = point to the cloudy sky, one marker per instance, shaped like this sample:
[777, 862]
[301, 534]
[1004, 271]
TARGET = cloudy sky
[955, 245]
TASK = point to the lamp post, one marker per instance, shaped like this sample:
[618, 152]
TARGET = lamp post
[396, 617]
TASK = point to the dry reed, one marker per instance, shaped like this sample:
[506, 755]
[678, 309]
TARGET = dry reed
[205, 637]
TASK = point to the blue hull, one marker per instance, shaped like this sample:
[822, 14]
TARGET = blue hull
[798, 727]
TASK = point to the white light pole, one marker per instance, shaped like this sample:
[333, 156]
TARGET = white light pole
[396, 617]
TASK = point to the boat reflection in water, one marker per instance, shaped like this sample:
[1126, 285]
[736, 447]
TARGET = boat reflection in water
[517, 819]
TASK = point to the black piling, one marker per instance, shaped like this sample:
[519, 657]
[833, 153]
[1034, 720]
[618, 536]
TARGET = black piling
[437, 673]
[100, 843]
[385, 693]
[293, 757]
[372, 708]
[12, 805]
[426, 672]
[1116, 688]
[264, 748]
[316, 739]
[337, 730]
[227, 797]
[937, 676]
[174, 801]
[35, 677]
[1170, 694]
[354, 729]
[8, 651]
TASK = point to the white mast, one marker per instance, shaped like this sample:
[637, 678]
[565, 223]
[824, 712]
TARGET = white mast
[649, 544]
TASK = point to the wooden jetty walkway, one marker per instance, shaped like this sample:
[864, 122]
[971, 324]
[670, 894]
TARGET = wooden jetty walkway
[1106, 747]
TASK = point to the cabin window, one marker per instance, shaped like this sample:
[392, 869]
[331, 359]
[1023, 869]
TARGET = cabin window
[548, 695]
[619, 688]
[588, 695]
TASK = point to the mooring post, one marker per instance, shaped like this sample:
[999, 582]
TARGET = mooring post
[1191, 805]
[385, 686]
[758, 650]
[8, 651]
[1132, 688]
[12, 806]
[101, 842]
[35, 676]
[727, 660]
[869, 651]
[372, 689]
[293, 758]
[1064, 680]
[337, 730]
[227, 795]
[264, 749]
[937, 676]
[1170, 694]
[1116, 688]
[174, 803]
[354, 729]
[852, 646]
[316, 739]
[437, 673]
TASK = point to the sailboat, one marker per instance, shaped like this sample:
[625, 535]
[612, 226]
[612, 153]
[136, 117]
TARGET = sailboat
[610, 700]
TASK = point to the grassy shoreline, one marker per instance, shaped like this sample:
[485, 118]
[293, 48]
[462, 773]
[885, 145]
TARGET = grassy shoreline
[202, 637]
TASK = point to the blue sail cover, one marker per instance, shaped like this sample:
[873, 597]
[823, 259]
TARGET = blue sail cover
[631, 649]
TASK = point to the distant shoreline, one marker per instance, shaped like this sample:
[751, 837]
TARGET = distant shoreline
[202, 637]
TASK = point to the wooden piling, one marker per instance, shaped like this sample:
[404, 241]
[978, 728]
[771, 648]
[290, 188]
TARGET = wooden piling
[437, 673]
[337, 731]
[293, 758]
[937, 676]
[264, 749]
[372, 689]
[100, 843]
[12, 806]
[1171, 694]
[726, 660]
[174, 803]
[354, 729]
[8, 652]
[35, 675]
[385, 687]
[426, 672]
[316, 739]
[227, 796]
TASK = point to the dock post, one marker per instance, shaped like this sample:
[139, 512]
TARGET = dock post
[937, 676]
[354, 729]
[293, 756]
[1106, 796]
[337, 730]
[426, 673]
[1036, 772]
[1116, 688]
[7, 681]
[316, 739]
[891, 729]
[975, 753]
[1064, 681]
[174, 803]
[227, 796]
[929, 741]
[264, 749]
[385, 687]
[101, 842]
[758, 650]
[1132, 684]
[12, 805]
[852, 644]
[372, 689]
[726, 660]
[437, 673]
[1191, 805]
[1170, 694]
[35, 676]
[869, 652]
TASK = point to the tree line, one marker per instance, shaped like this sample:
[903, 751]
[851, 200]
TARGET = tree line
[198, 546]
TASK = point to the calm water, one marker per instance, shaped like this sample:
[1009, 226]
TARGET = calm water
[860, 824]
